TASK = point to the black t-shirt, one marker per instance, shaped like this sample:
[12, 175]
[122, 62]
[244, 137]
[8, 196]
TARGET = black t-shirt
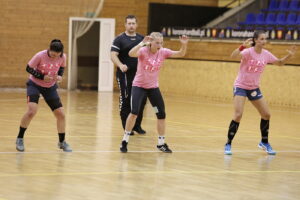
[123, 44]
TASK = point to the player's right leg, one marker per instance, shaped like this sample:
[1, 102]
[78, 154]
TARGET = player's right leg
[33, 95]
[239, 102]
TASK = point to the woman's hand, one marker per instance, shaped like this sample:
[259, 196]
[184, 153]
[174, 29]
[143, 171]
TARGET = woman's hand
[183, 39]
[48, 78]
[58, 79]
[292, 50]
[146, 41]
[248, 43]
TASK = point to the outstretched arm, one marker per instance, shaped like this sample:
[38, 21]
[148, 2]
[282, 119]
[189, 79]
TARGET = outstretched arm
[283, 60]
[184, 41]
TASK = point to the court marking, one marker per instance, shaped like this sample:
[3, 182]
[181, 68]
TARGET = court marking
[153, 151]
[197, 101]
[194, 125]
[148, 172]
[140, 136]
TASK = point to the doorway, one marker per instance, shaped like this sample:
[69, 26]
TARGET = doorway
[90, 66]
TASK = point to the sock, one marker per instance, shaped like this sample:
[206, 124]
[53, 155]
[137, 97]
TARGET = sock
[61, 137]
[161, 140]
[126, 136]
[233, 127]
[264, 128]
[21, 132]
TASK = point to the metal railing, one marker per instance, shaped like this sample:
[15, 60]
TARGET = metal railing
[232, 2]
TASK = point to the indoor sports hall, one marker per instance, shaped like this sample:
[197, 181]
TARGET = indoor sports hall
[61, 133]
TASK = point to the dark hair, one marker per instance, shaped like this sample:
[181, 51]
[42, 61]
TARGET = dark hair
[57, 46]
[130, 17]
[256, 35]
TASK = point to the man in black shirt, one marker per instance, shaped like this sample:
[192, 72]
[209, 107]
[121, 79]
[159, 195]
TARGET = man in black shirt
[126, 69]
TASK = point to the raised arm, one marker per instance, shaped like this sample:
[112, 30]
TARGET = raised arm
[182, 51]
[237, 52]
[291, 52]
[134, 51]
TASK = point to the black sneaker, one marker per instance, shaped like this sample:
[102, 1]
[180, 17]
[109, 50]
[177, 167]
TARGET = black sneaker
[164, 148]
[139, 130]
[123, 147]
[132, 133]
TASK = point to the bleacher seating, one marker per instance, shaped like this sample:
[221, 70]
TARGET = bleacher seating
[280, 14]
[283, 5]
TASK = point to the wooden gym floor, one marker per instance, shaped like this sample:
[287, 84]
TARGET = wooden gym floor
[197, 169]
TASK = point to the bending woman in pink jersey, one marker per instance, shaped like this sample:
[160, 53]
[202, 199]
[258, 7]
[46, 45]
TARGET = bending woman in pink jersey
[46, 68]
[151, 55]
[253, 62]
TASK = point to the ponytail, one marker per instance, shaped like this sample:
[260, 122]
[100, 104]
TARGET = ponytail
[57, 46]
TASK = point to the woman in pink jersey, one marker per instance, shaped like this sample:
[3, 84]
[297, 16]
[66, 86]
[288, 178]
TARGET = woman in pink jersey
[253, 61]
[46, 69]
[151, 55]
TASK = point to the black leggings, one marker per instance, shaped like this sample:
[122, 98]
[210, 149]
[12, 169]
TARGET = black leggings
[125, 86]
[138, 94]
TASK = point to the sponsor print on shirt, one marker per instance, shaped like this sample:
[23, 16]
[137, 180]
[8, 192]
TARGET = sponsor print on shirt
[152, 65]
[49, 69]
[256, 66]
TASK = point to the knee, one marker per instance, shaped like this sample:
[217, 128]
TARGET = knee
[266, 116]
[161, 115]
[31, 112]
[133, 116]
[238, 116]
[59, 114]
[134, 111]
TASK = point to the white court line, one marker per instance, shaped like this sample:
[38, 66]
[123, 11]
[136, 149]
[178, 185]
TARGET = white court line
[183, 151]
[214, 103]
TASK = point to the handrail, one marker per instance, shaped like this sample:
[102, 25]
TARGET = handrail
[233, 2]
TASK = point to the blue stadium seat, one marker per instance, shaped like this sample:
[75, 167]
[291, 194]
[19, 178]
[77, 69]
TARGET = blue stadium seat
[270, 19]
[280, 19]
[260, 19]
[273, 6]
[298, 20]
[291, 19]
[294, 5]
[250, 20]
[283, 5]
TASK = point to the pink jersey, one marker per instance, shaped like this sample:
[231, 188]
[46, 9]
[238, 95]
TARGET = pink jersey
[47, 66]
[252, 65]
[149, 65]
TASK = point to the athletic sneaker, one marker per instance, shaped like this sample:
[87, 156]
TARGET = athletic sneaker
[20, 144]
[267, 148]
[123, 147]
[227, 149]
[164, 148]
[64, 146]
[139, 130]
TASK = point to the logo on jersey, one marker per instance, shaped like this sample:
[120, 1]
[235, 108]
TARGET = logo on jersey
[256, 66]
[152, 65]
[50, 69]
[254, 94]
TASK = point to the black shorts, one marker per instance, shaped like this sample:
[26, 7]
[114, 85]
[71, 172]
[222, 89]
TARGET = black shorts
[138, 95]
[252, 95]
[50, 94]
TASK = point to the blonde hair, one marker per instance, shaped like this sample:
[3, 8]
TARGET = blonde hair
[156, 35]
